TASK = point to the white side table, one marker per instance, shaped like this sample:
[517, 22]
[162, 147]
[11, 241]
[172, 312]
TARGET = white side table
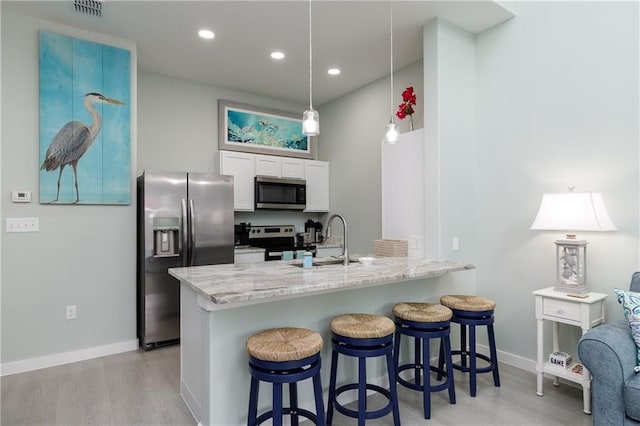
[585, 313]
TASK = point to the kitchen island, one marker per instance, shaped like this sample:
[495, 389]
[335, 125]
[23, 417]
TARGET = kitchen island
[221, 305]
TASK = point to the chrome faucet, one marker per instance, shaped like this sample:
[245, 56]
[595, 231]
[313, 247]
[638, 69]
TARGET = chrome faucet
[345, 249]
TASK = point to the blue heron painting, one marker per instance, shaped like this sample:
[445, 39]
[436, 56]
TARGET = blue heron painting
[84, 122]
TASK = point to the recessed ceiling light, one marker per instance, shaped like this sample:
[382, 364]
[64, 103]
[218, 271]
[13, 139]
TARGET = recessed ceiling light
[206, 34]
[334, 71]
[277, 55]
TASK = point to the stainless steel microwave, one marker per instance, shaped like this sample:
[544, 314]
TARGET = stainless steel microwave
[280, 193]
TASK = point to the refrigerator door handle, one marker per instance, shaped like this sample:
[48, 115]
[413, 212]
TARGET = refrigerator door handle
[192, 216]
[183, 231]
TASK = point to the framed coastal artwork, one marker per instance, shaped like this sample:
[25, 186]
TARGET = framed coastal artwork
[85, 121]
[260, 130]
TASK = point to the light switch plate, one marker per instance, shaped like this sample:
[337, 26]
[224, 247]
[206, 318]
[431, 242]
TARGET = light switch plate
[23, 224]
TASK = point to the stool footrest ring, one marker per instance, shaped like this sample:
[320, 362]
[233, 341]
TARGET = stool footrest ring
[432, 388]
[369, 414]
[288, 411]
[466, 368]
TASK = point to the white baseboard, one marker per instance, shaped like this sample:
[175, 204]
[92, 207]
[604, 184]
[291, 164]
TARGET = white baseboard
[191, 401]
[511, 359]
[37, 363]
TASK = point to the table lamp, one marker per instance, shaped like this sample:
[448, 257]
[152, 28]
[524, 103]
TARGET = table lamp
[571, 212]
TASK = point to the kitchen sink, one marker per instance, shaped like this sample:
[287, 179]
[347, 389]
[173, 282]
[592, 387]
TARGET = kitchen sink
[324, 262]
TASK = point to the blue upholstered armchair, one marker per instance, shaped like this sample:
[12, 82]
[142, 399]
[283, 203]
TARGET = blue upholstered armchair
[609, 352]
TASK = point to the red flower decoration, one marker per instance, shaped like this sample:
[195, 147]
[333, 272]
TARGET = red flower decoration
[406, 107]
[409, 96]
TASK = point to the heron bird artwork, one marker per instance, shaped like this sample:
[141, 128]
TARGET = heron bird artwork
[88, 86]
[74, 139]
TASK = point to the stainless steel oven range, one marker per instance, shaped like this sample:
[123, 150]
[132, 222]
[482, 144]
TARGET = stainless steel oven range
[276, 239]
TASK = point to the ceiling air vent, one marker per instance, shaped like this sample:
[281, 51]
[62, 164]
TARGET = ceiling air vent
[89, 7]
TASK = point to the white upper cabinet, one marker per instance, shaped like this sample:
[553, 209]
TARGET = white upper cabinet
[284, 167]
[292, 168]
[317, 176]
[245, 167]
[242, 167]
[268, 165]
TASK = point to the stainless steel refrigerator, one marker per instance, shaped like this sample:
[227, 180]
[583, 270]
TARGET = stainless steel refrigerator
[184, 219]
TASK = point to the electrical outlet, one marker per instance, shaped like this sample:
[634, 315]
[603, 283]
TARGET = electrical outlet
[71, 312]
[414, 242]
[455, 244]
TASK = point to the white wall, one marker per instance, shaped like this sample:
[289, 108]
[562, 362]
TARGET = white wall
[557, 106]
[450, 138]
[178, 122]
[450, 157]
[83, 255]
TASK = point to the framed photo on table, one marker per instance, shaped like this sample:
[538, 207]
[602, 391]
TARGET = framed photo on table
[260, 130]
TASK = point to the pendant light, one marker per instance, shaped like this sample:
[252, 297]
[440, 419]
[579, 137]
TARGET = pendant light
[310, 118]
[391, 130]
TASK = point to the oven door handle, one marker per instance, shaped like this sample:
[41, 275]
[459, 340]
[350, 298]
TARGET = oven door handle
[275, 253]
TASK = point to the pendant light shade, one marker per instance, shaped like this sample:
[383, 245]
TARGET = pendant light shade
[391, 130]
[310, 118]
[391, 133]
[310, 122]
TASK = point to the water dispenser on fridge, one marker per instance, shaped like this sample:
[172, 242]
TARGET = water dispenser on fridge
[166, 236]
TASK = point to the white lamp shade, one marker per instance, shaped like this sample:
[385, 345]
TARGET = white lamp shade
[573, 211]
[310, 122]
[391, 133]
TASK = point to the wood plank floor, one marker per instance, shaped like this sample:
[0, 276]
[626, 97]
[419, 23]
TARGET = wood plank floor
[142, 388]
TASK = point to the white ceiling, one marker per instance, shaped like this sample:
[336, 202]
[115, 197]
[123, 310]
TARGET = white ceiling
[352, 35]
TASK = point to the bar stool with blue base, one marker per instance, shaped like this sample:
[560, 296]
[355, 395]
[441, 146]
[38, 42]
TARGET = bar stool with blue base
[424, 321]
[284, 355]
[362, 336]
[473, 311]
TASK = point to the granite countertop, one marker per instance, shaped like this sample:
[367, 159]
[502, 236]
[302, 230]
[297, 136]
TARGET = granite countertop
[241, 284]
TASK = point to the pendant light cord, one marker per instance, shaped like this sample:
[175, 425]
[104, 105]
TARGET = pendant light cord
[310, 63]
[391, 48]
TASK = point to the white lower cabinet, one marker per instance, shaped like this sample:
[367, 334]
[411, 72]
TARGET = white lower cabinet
[317, 177]
[328, 251]
[248, 257]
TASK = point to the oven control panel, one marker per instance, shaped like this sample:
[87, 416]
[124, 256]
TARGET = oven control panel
[277, 231]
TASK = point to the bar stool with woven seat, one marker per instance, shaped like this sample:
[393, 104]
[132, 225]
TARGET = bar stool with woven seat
[473, 311]
[424, 321]
[284, 355]
[362, 336]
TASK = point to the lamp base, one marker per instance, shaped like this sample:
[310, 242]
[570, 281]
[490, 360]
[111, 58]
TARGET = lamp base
[576, 289]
